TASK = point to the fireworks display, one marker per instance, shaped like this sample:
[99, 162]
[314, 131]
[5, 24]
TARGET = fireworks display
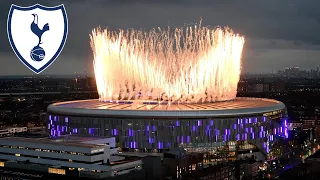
[184, 65]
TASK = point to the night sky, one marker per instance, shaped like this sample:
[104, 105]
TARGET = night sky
[279, 33]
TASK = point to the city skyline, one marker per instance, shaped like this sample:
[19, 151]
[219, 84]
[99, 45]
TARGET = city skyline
[278, 34]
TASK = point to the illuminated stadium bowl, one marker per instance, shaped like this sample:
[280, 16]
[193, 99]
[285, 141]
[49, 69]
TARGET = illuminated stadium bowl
[154, 127]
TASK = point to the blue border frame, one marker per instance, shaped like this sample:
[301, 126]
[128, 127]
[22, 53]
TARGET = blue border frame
[13, 7]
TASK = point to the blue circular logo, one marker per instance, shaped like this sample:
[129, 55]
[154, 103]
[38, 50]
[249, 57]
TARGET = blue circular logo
[37, 53]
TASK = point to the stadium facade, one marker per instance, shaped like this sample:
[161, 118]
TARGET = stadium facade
[239, 124]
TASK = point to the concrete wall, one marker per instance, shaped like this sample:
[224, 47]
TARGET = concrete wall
[56, 162]
[50, 146]
[55, 155]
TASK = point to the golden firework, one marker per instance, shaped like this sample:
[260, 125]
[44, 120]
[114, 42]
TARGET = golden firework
[191, 64]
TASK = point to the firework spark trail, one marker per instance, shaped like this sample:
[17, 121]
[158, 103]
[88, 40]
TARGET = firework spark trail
[187, 65]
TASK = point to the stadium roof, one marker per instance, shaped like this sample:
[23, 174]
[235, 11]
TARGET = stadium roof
[95, 108]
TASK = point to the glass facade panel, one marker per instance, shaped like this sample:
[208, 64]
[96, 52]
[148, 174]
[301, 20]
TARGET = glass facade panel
[167, 133]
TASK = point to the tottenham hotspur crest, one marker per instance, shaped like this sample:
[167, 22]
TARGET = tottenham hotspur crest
[37, 34]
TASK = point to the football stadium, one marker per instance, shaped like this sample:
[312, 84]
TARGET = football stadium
[249, 123]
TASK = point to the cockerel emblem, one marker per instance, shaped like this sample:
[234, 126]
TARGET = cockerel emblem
[35, 28]
[37, 34]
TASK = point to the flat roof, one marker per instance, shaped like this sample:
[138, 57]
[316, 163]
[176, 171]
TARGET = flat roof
[94, 107]
[74, 141]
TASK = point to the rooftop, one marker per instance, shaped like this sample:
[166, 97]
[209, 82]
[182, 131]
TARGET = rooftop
[236, 107]
[75, 141]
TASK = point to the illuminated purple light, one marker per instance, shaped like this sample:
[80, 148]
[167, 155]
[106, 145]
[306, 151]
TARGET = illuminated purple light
[217, 132]
[130, 132]
[199, 123]
[208, 128]
[211, 122]
[209, 133]
[66, 119]
[286, 128]
[168, 145]
[151, 140]
[177, 123]
[114, 132]
[188, 139]
[286, 133]
[75, 130]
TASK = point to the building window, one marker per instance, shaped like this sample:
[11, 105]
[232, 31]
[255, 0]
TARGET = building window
[56, 171]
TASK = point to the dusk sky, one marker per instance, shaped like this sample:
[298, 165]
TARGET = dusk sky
[278, 33]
